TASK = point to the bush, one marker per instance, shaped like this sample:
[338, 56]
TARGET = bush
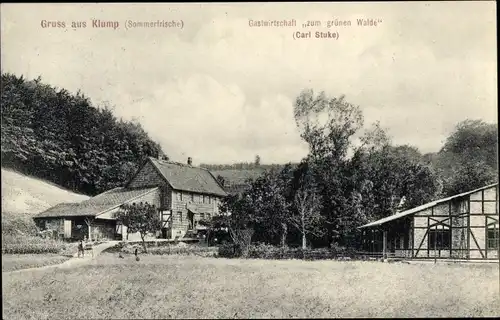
[181, 250]
[264, 251]
[13, 224]
[22, 244]
[229, 251]
[165, 248]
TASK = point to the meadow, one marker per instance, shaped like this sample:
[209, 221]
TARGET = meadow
[12, 262]
[172, 286]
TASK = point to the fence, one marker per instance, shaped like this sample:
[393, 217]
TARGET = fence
[278, 253]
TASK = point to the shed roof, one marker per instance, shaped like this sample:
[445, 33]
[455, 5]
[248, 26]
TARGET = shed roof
[188, 178]
[96, 205]
[422, 207]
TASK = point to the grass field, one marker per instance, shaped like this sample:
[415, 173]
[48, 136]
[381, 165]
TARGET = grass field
[194, 287]
[11, 262]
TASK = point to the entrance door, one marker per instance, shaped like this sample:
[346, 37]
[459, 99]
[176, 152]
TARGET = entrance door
[67, 229]
[191, 220]
[118, 231]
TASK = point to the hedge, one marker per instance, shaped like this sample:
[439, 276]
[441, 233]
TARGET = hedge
[164, 249]
[263, 251]
[23, 244]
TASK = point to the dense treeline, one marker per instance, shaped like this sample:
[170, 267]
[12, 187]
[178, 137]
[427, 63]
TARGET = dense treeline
[344, 183]
[59, 136]
[469, 157]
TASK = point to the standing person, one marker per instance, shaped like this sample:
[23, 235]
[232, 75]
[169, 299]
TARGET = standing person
[81, 250]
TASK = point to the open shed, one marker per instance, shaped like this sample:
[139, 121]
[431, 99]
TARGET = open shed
[463, 226]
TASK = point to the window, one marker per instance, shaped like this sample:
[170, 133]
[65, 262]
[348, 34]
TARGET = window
[180, 195]
[203, 198]
[180, 216]
[192, 197]
[439, 239]
[209, 199]
[493, 238]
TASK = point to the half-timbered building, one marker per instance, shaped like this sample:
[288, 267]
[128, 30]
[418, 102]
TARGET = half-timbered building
[463, 226]
[184, 194]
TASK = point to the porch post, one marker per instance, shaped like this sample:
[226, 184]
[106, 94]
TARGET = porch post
[371, 242]
[384, 244]
[435, 244]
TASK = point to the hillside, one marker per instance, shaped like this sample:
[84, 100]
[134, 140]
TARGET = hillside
[24, 195]
[64, 138]
[235, 176]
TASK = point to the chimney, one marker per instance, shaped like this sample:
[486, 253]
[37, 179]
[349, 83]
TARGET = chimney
[190, 161]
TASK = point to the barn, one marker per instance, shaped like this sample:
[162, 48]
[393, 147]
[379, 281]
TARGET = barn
[462, 227]
[182, 193]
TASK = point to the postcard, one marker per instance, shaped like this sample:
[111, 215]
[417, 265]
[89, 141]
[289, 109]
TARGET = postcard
[249, 160]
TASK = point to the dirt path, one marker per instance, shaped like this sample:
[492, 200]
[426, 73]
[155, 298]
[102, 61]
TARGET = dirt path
[73, 262]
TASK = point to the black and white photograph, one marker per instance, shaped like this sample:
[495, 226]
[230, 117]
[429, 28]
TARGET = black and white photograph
[249, 160]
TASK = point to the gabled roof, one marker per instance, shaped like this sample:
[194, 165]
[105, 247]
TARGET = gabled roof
[188, 178]
[422, 207]
[96, 205]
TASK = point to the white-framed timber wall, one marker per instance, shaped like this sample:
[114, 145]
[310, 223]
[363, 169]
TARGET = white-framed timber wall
[463, 227]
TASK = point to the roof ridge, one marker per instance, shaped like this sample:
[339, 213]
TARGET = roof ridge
[425, 206]
[179, 164]
[196, 174]
[97, 205]
[100, 194]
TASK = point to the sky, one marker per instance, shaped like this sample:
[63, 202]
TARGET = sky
[221, 91]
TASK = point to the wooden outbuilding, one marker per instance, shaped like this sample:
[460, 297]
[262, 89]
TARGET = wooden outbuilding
[463, 227]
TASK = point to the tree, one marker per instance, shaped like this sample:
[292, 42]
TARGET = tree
[89, 221]
[468, 176]
[306, 216]
[386, 174]
[239, 217]
[221, 180]
[61, 137]
[328, 125]
[257, 160]
[143, 218]
[270, 197]
[469, 158]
